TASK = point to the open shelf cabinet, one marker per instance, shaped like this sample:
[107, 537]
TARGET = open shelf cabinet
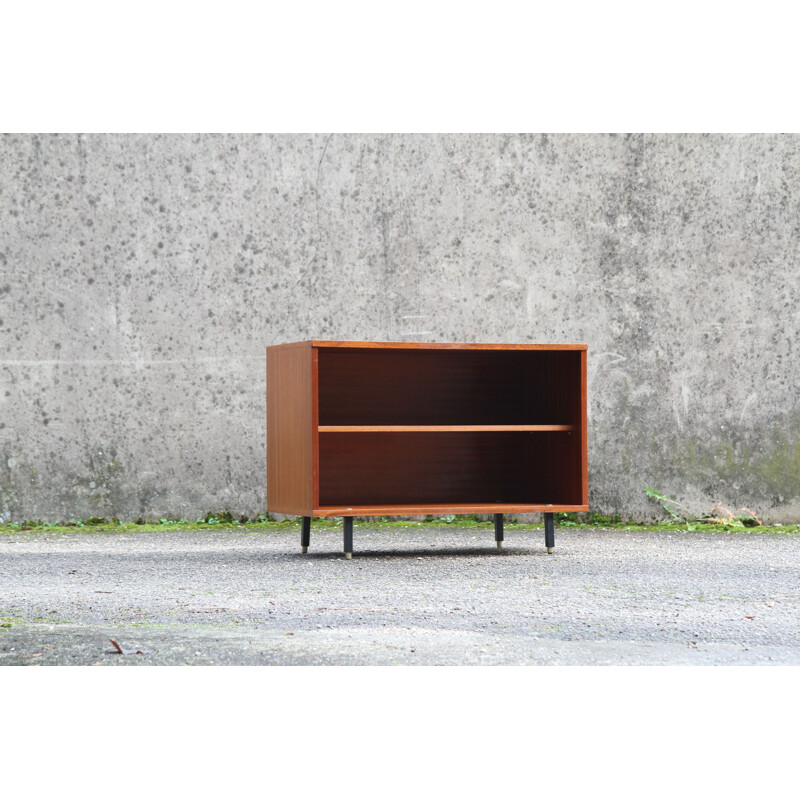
[374, 429]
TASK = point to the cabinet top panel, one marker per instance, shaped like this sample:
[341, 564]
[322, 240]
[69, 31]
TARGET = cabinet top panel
[435, 345]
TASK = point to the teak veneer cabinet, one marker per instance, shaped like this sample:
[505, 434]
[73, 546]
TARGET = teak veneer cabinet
[396, 428]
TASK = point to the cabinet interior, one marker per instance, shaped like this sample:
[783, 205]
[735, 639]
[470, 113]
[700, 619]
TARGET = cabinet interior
[396, 387]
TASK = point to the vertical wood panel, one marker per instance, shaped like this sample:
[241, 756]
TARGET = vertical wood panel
[290, 434]
[584, 433]
[315, 425]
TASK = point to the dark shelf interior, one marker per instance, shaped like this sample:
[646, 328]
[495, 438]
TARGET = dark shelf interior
[431, 468]
[448, 387]
[442, 387]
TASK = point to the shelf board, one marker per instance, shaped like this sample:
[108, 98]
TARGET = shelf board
[440, 509]
[439, 428]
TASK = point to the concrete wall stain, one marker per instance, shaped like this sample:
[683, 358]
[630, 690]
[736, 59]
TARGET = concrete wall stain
[141, 277]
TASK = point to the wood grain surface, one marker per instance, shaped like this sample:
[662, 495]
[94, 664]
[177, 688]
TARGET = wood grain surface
[290, 430]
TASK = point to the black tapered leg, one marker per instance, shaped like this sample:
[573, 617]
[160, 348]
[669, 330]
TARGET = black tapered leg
[498, 529]
[549, 532]
[348, 537]
[305, 534]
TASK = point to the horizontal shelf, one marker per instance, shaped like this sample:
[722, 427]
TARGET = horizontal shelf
[442, 509]
[439, 428]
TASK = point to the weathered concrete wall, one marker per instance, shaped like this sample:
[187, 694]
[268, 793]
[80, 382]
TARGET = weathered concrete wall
[142, 276]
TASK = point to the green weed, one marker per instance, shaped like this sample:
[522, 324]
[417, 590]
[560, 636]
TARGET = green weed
[719, 515]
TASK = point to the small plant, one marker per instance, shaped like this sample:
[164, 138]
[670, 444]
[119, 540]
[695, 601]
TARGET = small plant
[672, 507]
[725, 516]
[95, 521]
[719, 515]
[217, 518]
[599, 520]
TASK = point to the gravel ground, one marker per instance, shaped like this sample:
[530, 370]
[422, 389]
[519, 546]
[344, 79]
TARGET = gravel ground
[416, 595]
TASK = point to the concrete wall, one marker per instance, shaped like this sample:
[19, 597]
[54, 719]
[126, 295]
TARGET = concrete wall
[142, 276]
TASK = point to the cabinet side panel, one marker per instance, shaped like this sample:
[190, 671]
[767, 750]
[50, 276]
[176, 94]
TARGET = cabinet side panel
[290, 458]
[584, 431]
[315, 425]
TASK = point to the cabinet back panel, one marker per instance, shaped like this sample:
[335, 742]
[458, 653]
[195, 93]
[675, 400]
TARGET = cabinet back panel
[447, 387]
[553, 466]
[431, 468]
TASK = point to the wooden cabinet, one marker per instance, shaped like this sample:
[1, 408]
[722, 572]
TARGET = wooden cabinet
[383, 428]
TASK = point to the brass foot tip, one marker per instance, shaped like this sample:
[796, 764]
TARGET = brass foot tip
[500, 545]
[549, 549]
[348, 555]
[304, 549]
